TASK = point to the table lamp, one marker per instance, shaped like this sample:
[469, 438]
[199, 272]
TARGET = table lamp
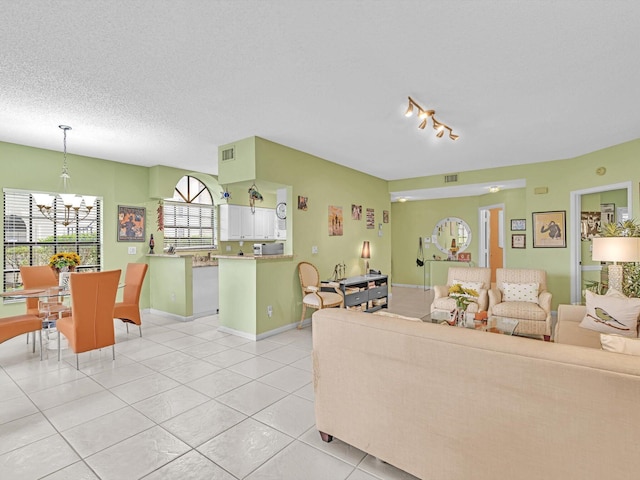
[616, 249]
[366, 254]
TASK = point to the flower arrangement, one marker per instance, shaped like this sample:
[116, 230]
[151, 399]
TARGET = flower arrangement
[463, 296]
[64, 259]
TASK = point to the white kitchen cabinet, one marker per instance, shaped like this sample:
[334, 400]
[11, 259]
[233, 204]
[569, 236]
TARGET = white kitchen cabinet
[264, 224]
[240, 223]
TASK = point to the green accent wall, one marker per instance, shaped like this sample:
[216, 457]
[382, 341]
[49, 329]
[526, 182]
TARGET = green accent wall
[561, 177]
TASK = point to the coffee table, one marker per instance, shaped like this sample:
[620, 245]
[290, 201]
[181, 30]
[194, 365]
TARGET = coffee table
[494, 324]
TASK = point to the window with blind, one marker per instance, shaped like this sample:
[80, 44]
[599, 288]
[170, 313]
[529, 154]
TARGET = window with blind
[190, 217]
[30, 238]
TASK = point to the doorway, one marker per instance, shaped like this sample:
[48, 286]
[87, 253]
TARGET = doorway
[575, 229]
[491, 245]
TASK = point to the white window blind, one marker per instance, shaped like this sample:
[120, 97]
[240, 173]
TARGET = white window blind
[190, 216]
[30, 238]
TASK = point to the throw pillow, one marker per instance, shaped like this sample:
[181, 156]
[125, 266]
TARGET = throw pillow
[477, 286]
[619, 344]
[612, 313]
[520, 292]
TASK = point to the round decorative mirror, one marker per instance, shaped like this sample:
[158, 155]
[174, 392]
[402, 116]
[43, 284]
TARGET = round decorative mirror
[452, 235]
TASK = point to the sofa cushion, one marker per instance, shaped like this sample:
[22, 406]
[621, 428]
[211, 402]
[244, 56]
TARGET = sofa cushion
[521, 310]
[612, 313]
[520, 292]
[619, 344]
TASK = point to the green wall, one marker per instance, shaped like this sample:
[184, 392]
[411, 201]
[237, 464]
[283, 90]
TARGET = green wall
[116, 183]
[561, 177]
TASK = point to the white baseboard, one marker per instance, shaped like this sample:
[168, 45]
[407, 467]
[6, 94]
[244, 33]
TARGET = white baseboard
[263, 335]
[408, 285]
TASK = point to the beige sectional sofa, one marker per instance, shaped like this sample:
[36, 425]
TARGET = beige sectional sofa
[448, 403]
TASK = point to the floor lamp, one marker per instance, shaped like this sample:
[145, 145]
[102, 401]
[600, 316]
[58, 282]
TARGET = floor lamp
[616, 249]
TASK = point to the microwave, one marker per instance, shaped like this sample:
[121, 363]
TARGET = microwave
[268, 248]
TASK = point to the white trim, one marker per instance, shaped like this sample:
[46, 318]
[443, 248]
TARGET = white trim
[270, 333]
[407, 285]
[574, 231]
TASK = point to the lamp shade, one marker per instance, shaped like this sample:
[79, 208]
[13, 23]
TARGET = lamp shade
[366, 251]
[616, 249]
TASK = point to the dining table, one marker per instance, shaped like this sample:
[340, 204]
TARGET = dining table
[54, 303]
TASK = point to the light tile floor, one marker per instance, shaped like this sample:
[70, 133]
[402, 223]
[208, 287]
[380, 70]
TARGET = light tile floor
[185, 401]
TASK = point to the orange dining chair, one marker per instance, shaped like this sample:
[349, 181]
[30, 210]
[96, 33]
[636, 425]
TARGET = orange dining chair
[128, 310]
[41, 276]
[90, 325]
[13, 326]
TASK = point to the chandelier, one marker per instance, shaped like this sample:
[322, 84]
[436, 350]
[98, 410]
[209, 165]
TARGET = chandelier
[72, 202]
[423, 114]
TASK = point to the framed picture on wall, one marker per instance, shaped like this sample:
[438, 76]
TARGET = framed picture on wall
[518, 240]
[131, 223]
[549, 229]
[518, 224]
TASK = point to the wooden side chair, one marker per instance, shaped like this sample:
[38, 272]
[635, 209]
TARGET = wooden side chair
[129, 309]
[312, 295]
[90, 326]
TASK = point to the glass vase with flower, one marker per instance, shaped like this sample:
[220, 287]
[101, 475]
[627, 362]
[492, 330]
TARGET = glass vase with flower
[463, 297]
[64, 262]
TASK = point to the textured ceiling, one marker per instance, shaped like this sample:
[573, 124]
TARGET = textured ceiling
[166, 82]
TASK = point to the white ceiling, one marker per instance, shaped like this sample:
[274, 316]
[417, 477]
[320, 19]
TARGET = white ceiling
[166, 82]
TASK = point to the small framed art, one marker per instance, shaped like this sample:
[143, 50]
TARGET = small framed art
[518, 224]
[518, 240]
[131, 222]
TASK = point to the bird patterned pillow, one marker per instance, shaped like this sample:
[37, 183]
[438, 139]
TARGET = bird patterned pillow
[612, 313]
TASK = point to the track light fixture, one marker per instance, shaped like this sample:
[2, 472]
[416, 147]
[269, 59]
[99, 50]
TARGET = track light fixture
[439, 127]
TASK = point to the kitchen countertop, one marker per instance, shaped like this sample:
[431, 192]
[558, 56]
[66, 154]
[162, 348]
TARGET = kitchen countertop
[252, 257]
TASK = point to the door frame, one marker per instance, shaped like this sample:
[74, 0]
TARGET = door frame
[485, 234]
[575, 249]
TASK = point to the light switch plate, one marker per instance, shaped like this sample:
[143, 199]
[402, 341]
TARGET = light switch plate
[314, 249]
[132, 250]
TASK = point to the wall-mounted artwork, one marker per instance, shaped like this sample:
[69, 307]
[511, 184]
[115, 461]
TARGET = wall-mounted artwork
[518, 224]
[336, 221]
[302, 202]
[549, 229]
[518, 240]
[371, 219]
[356, 212]
[385, 216]
[589, 225]
[131, 221]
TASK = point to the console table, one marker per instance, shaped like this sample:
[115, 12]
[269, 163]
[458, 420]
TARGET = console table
[369, 292]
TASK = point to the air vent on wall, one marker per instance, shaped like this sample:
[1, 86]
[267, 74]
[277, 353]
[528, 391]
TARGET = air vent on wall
[228, 154]
[451, 178]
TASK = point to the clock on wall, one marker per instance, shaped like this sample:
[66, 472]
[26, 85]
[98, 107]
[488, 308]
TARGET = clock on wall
[281, 210]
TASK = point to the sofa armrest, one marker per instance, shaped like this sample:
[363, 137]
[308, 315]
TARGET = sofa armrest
[440, 291]
[544, 300]
[483, 299]
[569, 331]
[495, 297]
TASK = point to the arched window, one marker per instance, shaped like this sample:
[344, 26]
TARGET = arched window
[189, 216]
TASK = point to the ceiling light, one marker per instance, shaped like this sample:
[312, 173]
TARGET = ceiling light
[494, 189]
[425, 115]
[402, 199]
[47, 203]
[409, 111]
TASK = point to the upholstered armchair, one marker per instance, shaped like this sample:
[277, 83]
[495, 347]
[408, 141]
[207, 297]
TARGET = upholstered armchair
[477, 278]
[522, 294]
